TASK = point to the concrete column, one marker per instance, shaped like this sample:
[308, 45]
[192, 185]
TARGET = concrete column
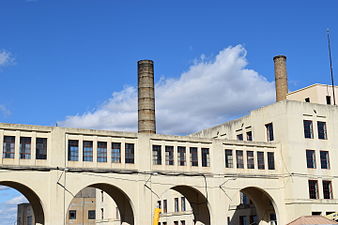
[146, 97]
[281, 77]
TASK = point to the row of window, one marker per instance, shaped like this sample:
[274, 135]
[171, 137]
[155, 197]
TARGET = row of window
[181, 155]
[102, 148]
[164, 205]
[314, 192]
[321, 129]
[311, 159]
[240, 137]
[25, 148]
[250, 162]
[72, 214]
[181, 222]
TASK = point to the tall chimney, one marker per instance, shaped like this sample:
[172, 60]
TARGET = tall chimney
[281, 77]
[146, 97]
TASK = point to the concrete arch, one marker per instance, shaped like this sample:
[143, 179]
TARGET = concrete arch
[32, 197]
[263, 201]
[198, 202]
[121, 199]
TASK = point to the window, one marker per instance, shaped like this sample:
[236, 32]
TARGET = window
[239, 159]
[321, 126]
[88, 151]
[260, 160]
[91, 214]
[102, 213]
[102, 151]
[250, 160]
[249, 136]
[205, 157]
[253, 220]
[129, 153]
[316, 213]
[175, 222]
[228, 158]
[157, 157]
[169, 155]
[310, 159]
[193, 156]
[271, 161]
[73, 150]
[41, 148]
[29, 220]
[25, 147]
[240, 137]
[165, 206]
[244, 199]
[72, 214]
[183, 208]
[328, 100]
[9, 147]
[324, 160]
[176, 209]
[308, 128]
[116, 152]
[307, 99]
[182, 222]
[327, 189]
[181, 156]
[243, 220]
[313, 189]
[269, 131]
[159, 204]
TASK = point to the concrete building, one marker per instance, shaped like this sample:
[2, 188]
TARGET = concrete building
[271, 166]
[25, 214]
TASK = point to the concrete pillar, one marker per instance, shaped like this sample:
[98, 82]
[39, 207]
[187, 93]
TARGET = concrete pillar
[281, 77]
[146, 97]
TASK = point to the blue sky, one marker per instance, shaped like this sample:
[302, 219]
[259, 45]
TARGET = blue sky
[73, 62]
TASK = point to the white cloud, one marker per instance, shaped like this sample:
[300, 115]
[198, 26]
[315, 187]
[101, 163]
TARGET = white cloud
[3, 188]
[17, 200]
[209, 93]
[4, 110]
[6, 58]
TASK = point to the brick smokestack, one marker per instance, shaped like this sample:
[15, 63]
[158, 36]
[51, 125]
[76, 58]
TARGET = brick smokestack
[281, 77]
[146, 97]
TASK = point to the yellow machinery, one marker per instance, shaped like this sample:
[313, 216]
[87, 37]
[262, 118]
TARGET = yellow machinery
[156, 219]
[333, 216]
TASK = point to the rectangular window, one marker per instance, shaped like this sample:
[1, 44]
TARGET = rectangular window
[181, 156]
[313, 189]
[102, 213]
[159, 204]
[169, 155]
[72, 214]
[157, 155]
[129, 153]
[102, 151]
[91, 214]
[243, 220]
[271, 161]
[87, 151]
[249, 136]
[307, 99]
[228, 158]
[240, 137]
[269, 131]
[260, 160]
[193, 156]
[182, 222]
[205, 157]
[41, 148]
[73, 150]
[328, 100]
[310, 159]
[183, 207]
[327, 189]
[250, 160]
[175, 222]
[321, 130]
[25, 147]
[308, 128]
[116, 152]
[176, 207]
[165, 206]
[324, 160]
[239, 159]
[9, 147]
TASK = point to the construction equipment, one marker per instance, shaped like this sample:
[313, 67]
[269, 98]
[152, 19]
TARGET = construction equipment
[157, 213]
[332, 216]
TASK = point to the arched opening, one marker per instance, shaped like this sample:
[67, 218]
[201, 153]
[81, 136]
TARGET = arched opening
[255, 207]
[33, 199]
[99, 204]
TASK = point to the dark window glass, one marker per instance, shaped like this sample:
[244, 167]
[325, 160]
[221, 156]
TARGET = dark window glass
[240, 137]
[269, 131]
[328, 100]
[308, 128]
[165, 206]
[157, 155]
[102, 151]
[228, 158]
[243, 220]
[181, 156]
[239, 159]
[205, 157]
[129, 153]
[72, 214]
[271, 161]
[307, 99]
[249, 136]
[91, 214]
[324, 160]
[73, 150]
[183, 207]
[169, 155]
[193, 156]
[176, 207]
[321, 130]
[25, 147]
[116, 152]
[260, 160]
[313, 189]
[250, 160]
[41, 148]
[310, 159]
[87, 151]
[327, 189]
[9, 147]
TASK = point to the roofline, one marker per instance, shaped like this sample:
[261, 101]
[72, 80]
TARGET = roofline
[310, 86]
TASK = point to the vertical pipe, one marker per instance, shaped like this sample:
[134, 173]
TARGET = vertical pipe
[146, 97]
[281, 77]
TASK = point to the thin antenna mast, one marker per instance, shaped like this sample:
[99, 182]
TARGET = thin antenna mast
[331, 69]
